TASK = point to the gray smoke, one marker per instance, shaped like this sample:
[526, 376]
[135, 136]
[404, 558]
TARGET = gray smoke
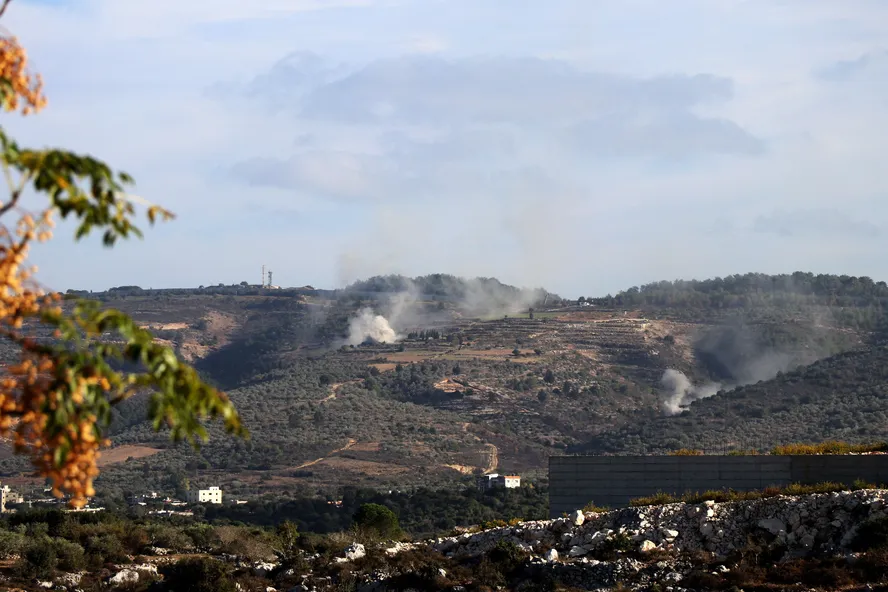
[681, 392]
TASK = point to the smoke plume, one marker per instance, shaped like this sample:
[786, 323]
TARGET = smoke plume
[681, 392]
[369, 326]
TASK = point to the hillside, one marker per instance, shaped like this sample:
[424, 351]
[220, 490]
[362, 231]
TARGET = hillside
[842, 397]
[480, 377]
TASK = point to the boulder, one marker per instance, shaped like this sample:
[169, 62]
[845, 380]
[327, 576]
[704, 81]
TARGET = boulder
[355, 551]
[551, 555]
[647, 546]
[123, 578]
[772, 525]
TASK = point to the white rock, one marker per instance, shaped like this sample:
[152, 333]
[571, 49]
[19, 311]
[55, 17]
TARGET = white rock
[261, 569]
[577, 518]
[70, 580]
[647, 546]
[355, 551]
[551, 555]
[577, 551]
[669, 534]
[124, 577]
[47, 585]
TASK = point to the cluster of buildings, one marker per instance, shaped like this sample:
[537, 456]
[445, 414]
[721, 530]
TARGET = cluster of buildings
[168, 505]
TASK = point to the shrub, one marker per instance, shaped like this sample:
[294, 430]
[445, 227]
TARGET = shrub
[830, 447]
[377, 519]
[70, 555]
[199, 574]
[872, 534]
[591, 507]
[11, 543]
[686, 452]
[39, 559]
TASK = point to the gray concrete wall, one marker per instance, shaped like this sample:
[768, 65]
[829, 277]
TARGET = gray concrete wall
[575, 481]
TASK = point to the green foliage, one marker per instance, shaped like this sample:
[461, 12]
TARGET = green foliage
[377, 519]
[199, 574]
[39, 559]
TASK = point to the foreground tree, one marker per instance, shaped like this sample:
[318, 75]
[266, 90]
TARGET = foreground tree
[55, 403]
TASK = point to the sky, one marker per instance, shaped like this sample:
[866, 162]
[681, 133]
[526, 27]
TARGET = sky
[585, 146]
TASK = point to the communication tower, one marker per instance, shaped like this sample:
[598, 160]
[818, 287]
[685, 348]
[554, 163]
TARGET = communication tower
[263, 277]
[270, 283]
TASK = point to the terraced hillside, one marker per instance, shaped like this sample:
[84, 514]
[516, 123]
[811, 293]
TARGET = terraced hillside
[460, 393]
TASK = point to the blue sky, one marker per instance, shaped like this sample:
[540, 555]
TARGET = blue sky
[583, 145]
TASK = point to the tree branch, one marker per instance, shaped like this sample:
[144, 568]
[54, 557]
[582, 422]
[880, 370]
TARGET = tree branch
[3, 6]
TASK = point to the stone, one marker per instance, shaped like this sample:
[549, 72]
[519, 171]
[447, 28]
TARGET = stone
[355, 551]
[669, 534]
[577, 551]
[772, 525]
[47, 585]
[647, 546]
[261, 569]
[577, 518]
[70, 580]
[123, 578]
[706, 529]
[551, 555]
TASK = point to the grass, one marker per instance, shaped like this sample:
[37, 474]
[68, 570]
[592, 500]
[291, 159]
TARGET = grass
[830, 447]
[686, 452]
[729, 495]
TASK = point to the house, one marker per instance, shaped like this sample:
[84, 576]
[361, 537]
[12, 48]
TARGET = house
[7, 496]
[497, 481]
[211, 495]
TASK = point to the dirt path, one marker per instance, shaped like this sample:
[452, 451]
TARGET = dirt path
[351, 442]
[493, 459]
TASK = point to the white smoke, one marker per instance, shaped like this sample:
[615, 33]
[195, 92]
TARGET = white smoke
[681, 392]
[369, 326]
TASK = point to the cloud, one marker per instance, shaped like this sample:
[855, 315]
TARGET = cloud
[433, 90]
[582, 145]
[820, 223]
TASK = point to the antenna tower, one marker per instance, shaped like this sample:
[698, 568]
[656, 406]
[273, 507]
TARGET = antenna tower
[270, 283]
[263, 277]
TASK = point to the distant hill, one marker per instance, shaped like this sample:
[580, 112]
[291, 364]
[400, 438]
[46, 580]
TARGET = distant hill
[485, 376]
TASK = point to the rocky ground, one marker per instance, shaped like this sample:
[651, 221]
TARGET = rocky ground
[831, 541]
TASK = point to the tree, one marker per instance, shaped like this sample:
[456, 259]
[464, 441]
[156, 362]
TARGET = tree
[549, 377]
[377, 519]
[56, 403]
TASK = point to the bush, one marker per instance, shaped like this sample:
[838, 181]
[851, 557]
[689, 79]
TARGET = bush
[379, 520]
[871, 535]
[830, 447]
[39, 559]
[199, 574]
[11, 543]
[70, 555]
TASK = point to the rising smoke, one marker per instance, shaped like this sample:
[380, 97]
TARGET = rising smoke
[681, 392]
[369, 326]
[406, 310]
[730, 351]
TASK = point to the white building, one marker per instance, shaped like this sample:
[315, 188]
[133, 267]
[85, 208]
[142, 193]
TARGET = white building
[8, 496]
[495, 480]
[211, 495]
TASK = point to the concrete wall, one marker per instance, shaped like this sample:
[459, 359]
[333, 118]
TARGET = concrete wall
[612, 481]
